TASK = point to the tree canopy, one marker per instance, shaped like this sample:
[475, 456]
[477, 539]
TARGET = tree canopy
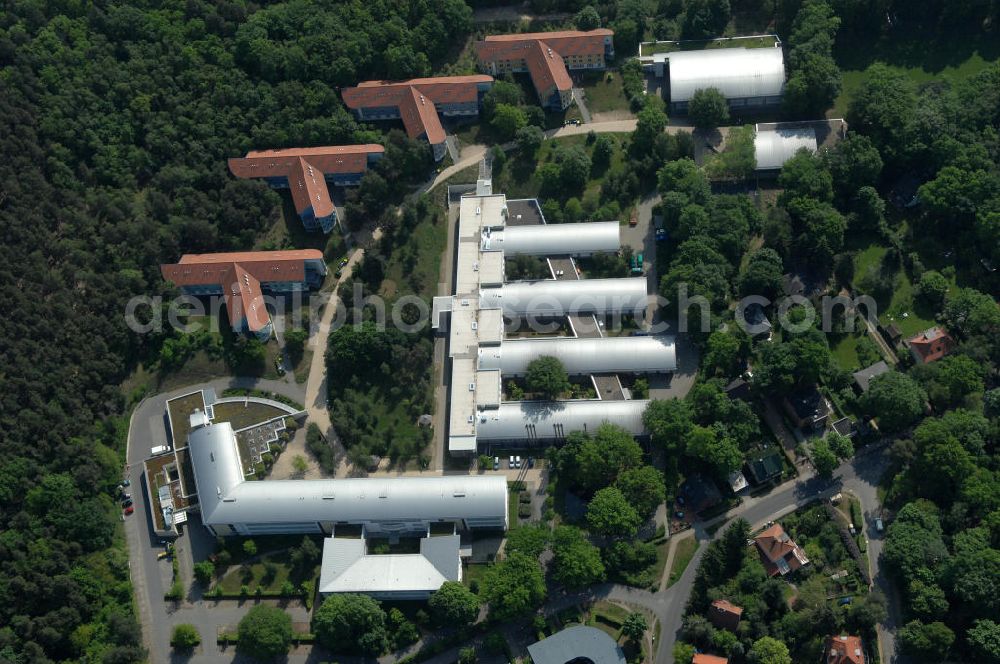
[453, 604]
[547, 376]
[351, 623]
[513, 586]
[265, 632]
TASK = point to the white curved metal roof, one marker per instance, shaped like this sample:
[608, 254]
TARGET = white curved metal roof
[551, 297]
[548, 420]
[560, 239]
[654, 354]
[773, 148]
[736, 72]
[226, 498]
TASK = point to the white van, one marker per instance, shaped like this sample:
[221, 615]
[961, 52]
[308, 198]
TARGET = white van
[160, 449]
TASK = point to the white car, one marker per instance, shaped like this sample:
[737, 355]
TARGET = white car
[510, 462]
[517, 462]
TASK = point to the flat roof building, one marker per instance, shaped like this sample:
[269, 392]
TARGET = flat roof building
[773, 147]
[746, 77]
[480, 356]
[244, 277]
[307, 172]
[418, 102]
[546, 57]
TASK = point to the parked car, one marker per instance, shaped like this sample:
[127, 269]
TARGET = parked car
[844, 601]
[126, 496]
[634, 219]
[127, 482]
[344, 261]
[517, 462]
[496, 463]
[160, 449]
[680, 500]
[126, 503]
[679, 514]
[531, 462]
[878, 525]
[129, 509]
[162, 554]
[510, 462]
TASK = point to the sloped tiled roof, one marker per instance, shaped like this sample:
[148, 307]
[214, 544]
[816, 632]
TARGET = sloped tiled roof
[543, 53]
[305, 169]
[239, 275]
[702, 658]
[781, 554]
[416, 99]
[725, 614]
[844, 650]
[931, 345]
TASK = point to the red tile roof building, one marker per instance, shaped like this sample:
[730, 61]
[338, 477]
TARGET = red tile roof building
[242, 278]
[844, 650]
[547, 56]
[778, 552]
[725, 615]
[930, 345]
[418, 101]
[307, 172]
[701, 658]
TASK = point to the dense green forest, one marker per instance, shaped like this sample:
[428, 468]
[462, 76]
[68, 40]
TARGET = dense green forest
[116, 120]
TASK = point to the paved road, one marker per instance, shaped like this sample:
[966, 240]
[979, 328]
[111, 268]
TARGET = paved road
[150, 577]
[580, 97]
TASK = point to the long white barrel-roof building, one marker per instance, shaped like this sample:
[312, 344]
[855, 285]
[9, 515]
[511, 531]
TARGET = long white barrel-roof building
[232, 505]
[747, 77]
[598, 355]
[551, 297]
[560, 239]
[548, 421]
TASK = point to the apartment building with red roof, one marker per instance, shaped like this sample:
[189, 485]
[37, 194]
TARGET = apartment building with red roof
[778, 552]
[308, 172]
[418, 102]
[844, 650]
[243, 278]
[930, 345]
[547, 57]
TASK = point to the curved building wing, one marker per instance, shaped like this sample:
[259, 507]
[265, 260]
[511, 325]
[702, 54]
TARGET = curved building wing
[557, 298]
[230, 504]
[772, 148]
[738, 73]
[653, 354]
[547, 421]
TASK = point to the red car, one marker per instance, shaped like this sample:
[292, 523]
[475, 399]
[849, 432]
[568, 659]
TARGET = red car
[129, 509]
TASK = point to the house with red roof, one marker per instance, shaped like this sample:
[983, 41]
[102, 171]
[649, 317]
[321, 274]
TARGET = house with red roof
[844, 650]
[418, 102]
[307, 173]
[778, 552]
[547, 57]
[725, 615]
[244, 278]
[702, 658]
[930, 345]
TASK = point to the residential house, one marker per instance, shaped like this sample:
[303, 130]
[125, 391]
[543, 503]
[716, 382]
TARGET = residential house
[892, 334]
[738, 389]
[765, 467]
[418, 102]
[307, 173]
[546, 57]
[930, 345]
[864, 377]
[737, 481]
[725, 615]
[702, 658]
[778, 552]
[700, 493]
[808, 408]
[243, 278]
[844, 650]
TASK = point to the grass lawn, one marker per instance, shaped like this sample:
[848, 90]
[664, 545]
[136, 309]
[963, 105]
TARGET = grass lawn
[414, 268]
[922, 57]
[474, 573]
[682, 557]
[903, 308]
[845, 352]
[604, 92]
[242, 415]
